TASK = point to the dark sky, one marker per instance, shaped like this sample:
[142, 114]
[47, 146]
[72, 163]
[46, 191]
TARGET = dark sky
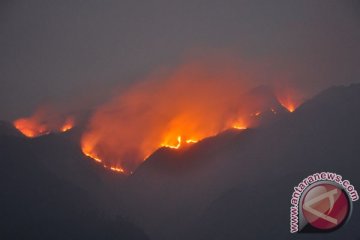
[61, 50]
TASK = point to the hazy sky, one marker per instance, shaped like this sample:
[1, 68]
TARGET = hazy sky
[60, 50]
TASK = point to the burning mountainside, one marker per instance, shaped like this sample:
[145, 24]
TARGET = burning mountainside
[42, 122]
[172, 110]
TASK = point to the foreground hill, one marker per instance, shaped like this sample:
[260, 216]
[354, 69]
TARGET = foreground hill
[238, 185]
[37, 204]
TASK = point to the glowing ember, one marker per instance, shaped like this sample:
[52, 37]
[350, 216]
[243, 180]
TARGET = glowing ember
[256, 114]
[117, 169]
[179, 143]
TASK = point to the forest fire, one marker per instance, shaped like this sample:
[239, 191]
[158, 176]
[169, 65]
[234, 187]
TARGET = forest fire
[43, 122]
[167, 110]
[175, 109]
[171, 110]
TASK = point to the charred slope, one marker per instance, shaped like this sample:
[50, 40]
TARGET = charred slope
[36, 204]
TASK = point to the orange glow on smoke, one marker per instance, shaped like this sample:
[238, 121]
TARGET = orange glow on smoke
[30, 127]
[43, 122]
[68, 124]
[167, 110]
[240, 124]
[289, 99]
[172, 109]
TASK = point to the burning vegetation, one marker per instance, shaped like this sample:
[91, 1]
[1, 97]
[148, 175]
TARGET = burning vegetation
[42, 122]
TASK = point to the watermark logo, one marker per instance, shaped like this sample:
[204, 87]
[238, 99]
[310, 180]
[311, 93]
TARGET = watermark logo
[322, 202]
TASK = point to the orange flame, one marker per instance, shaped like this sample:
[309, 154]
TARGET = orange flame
[289, 99]
[68, 124]
[177, 146]
[43, 122]
[30, 128]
